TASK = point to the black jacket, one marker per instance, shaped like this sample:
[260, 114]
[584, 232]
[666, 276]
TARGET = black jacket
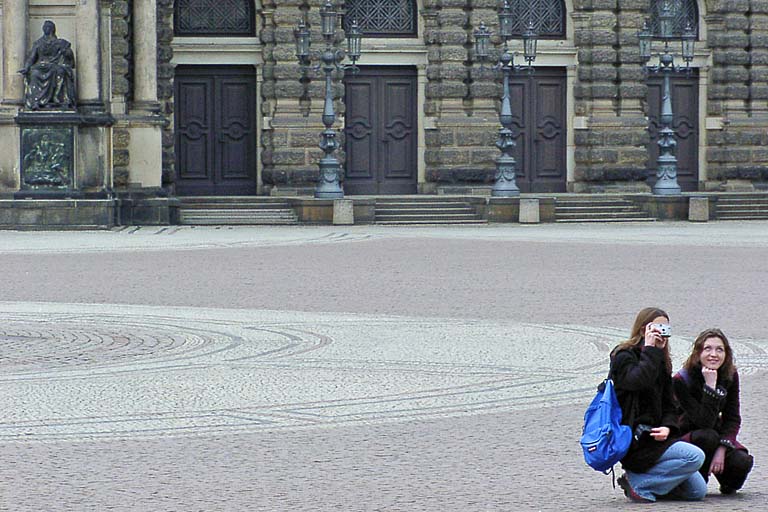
[644, 390]
[704, 408]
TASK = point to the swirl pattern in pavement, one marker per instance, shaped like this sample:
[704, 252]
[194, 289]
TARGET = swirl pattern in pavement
[91, 371]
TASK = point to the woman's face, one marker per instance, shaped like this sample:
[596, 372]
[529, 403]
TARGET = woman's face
[712, 353]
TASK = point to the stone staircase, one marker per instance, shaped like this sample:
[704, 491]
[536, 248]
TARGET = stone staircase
[425, 210]
[245, 210]
[742, 207]
[598, 209]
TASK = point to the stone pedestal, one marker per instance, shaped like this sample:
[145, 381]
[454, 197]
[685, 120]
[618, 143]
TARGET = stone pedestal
[529, 211]
[62, 155]
[698, 209]
[343, 212]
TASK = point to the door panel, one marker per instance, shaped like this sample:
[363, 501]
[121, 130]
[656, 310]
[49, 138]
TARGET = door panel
[194, 130]
[380, 131]
[215, 130]
[685, 109]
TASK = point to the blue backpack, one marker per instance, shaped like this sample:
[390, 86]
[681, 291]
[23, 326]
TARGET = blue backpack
[604, 439]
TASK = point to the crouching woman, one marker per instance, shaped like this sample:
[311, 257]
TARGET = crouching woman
[658, 464]
[707, 389]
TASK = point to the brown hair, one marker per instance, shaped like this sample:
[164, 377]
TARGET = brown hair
[727, 369]
[637, 336]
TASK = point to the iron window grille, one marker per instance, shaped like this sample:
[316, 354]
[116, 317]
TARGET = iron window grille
[382, 18]
[685, 11]
[547, 16]
[217, 18]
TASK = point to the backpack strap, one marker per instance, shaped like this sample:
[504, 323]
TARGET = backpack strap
[683, 373]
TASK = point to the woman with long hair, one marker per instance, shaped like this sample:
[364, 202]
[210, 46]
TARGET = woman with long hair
[707, 388]
[658, 464]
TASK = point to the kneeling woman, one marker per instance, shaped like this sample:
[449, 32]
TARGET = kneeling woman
[658, 465]
[707, 388]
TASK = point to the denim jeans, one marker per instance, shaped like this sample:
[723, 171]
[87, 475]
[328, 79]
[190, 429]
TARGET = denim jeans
[675, 475]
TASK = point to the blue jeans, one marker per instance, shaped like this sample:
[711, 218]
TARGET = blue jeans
[675, 475]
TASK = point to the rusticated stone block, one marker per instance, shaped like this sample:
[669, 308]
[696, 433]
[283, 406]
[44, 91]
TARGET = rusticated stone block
[288, 156]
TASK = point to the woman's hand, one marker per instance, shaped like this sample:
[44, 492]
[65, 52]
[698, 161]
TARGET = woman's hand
[660, 433]
[652, 337]
[718, 461]
[710, 376]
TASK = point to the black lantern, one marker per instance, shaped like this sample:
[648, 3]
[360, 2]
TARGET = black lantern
[302, 36]
[666, 20]
[645, 36]
[328, 16]
[482, 38]
[689, 40]
[354, 40]
[529, 43]
[505, 21]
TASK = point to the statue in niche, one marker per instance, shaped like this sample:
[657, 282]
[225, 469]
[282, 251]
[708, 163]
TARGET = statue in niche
[49, 77]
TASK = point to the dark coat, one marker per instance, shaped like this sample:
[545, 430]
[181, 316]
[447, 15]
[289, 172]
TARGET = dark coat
[644, 390]
[705, 408]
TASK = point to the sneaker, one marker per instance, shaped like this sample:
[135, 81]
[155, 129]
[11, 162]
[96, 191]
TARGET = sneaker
[724, 489]
[629, 492]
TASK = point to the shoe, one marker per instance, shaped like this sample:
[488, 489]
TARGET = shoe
[629, 492]
[724, 489]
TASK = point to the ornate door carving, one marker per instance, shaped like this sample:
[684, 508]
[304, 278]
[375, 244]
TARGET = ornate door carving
[539, 125]
[215, 130]
[381, 131]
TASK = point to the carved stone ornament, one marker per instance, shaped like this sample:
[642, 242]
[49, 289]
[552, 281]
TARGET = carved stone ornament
[49, 77]
[47, 158]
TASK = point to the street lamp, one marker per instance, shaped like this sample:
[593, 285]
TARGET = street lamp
[666, 170]
[328, 184]
[504, 184]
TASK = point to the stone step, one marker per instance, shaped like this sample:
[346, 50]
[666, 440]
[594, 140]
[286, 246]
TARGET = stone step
[430, 222]
[605, 204]
[607, 219]
[595, 209]
[436, 216]
[431, 206]
[236, 216]
[745, 217]
[235, 206]
[427, 211]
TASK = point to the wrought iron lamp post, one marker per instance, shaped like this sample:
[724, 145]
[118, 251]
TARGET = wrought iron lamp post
[328, 184]
[504, 184]
[666, 170]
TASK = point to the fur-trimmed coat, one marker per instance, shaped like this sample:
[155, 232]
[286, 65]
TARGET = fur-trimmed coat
[644, 390]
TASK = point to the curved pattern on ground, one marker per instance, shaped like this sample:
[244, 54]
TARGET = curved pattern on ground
[87, 371]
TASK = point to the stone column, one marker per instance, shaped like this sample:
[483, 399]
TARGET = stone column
[145, 55]
[88, 44]
[15, 23]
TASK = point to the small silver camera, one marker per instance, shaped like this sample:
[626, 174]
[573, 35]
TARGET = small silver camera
[664, 330]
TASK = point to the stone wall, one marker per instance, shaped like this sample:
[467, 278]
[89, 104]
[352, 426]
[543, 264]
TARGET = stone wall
[121, 86]
[293, 102]
[461, 95]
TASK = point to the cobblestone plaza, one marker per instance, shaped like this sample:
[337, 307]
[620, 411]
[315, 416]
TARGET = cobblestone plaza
[356, 368]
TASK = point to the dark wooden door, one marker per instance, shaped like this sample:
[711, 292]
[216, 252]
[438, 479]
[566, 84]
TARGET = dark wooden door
[381, 131]
[685, 109]
[539, 125]
[215, 130]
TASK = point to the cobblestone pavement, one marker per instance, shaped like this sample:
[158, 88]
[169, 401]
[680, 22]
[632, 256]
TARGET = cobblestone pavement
[363, 368]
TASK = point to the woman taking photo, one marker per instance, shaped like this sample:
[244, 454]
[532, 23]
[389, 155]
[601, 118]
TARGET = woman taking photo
[707, 388]
[658, 464]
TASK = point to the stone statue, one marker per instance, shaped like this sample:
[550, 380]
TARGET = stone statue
[49, 78]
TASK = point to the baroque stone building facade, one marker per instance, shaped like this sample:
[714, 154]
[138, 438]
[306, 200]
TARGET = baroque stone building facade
[205, 97]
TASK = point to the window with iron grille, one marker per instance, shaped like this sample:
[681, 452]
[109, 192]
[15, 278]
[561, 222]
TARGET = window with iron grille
[214, 18]
[382, 18]
[685, 11]
[547, 16]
